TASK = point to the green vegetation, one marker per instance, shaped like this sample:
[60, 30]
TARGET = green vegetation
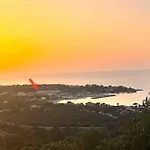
[43, 113]
[134, 134]
[69, 88]
[31, 123]
[71, 127]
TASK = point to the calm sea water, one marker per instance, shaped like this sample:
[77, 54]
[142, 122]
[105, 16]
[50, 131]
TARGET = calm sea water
[139, 79]
[122, 99]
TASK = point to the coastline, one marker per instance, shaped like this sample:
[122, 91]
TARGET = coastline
[103, 96]
[60, 93]
[126, 99]
[92, 98]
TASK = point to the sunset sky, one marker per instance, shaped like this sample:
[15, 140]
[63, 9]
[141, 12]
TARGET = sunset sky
[56, 36]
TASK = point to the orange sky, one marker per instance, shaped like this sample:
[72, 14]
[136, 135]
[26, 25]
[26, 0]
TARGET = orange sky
[79, 35]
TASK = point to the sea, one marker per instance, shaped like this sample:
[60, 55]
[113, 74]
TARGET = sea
[139, 79]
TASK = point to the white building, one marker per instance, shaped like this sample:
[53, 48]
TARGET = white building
[21, 94]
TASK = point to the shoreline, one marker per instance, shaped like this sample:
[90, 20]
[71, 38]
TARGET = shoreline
[127, 99]
[109, 95]
[91, 97]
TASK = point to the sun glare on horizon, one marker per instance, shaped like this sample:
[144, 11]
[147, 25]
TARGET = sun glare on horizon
[15, 53]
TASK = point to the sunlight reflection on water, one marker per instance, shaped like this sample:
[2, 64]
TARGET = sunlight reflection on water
[122, 99]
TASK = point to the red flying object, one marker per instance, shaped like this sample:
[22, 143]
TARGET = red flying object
[33, 84]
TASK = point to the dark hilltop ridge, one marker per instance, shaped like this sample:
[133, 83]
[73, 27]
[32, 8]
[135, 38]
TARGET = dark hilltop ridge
[62, 92]
[69, 88]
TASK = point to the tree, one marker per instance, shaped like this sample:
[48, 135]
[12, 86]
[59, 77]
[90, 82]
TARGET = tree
[135, 105]
[90, 139]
